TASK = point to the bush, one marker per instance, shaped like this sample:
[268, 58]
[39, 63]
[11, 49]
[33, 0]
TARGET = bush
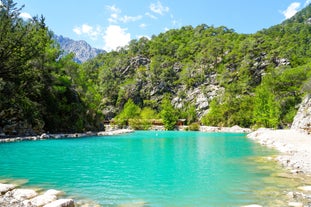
[193, 127]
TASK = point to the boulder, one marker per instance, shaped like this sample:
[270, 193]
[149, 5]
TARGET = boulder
[42, 200]
[305, 188]
[61, 203]
[53, 192]
[23, 194]
[6, 187]
[295, 204]
[302, 120]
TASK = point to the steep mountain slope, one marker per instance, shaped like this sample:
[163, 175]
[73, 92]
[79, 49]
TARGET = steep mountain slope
[82, 50]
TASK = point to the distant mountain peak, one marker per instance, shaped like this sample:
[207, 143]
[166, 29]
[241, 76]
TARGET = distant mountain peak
[82, 50]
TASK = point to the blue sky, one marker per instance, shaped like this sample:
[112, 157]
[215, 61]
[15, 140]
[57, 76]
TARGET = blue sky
[109, 24]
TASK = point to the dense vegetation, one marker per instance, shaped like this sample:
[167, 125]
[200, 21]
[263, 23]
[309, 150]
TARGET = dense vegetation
[203, 74]
[36, 86]
[248, 80]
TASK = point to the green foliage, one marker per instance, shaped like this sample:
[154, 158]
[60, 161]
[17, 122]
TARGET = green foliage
[215, 115]
[147, 115]
[258, 77]
[145, 119]
[168, 114]
[130, 111]
[193, 127]
[36, 82]
[266, 109]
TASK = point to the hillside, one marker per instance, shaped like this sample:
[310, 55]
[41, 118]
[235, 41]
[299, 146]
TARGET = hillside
[202, 74]
[82, 50]
[212, 75]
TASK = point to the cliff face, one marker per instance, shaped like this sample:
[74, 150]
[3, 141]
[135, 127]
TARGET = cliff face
[82, 50]
[302, 120]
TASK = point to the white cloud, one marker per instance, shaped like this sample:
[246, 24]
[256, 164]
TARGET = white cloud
[291, 10]
[88, 30]
[142, 25]
[150, 15]
[115, 37]
[25, 16]
[115, 16]
[158, 8]
[126, 19]
[113, 9]
[307, 2]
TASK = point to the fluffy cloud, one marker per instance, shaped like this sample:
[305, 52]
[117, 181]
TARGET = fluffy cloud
[158, 8]
[25, 16]
[115, 16]
[291, 10]
[307, 2]
[115, 37]
[88, 30]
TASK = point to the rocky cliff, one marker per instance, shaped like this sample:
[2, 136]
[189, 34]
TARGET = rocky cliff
[302, 120]
[82, 50]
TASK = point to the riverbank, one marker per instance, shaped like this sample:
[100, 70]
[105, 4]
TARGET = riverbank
[295, 147]
[60, 136]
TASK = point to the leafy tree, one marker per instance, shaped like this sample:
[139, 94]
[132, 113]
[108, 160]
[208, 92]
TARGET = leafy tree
[168, 114]
[130, 111]
[266, 108]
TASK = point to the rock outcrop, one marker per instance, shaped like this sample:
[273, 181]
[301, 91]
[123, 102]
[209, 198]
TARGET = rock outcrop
[12, 196]
[302, 120]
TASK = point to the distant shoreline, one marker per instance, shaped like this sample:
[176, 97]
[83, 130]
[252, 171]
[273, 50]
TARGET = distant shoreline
[45, 136]
[111, 132]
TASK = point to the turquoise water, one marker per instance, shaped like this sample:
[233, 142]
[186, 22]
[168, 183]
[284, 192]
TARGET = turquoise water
[155, 168]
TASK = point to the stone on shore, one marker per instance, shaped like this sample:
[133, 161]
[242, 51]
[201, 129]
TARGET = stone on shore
[234, 129]
[305, 188]
[295, 204]
[61, 203]
[6, 187]
[46, 198]
[295, 146]
[23, 194]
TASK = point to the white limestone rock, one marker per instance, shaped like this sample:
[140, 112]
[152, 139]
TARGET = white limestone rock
[61, 203]
[6, 187]
[23, 194]
[305, 188]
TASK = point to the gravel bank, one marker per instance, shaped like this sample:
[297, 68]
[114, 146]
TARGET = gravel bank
[295, 147]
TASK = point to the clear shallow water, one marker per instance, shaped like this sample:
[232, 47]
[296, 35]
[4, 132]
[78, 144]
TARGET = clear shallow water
[156, 168]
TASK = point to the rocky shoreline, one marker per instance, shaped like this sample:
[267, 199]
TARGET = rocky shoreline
[295, 149]
[13, 196]
[45, 136]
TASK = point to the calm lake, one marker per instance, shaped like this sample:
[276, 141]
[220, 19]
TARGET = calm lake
[147, 167]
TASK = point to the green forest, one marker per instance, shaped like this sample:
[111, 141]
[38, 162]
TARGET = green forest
[203, 74]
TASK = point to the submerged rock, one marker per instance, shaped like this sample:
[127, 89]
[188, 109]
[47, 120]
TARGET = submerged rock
[61, 203]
